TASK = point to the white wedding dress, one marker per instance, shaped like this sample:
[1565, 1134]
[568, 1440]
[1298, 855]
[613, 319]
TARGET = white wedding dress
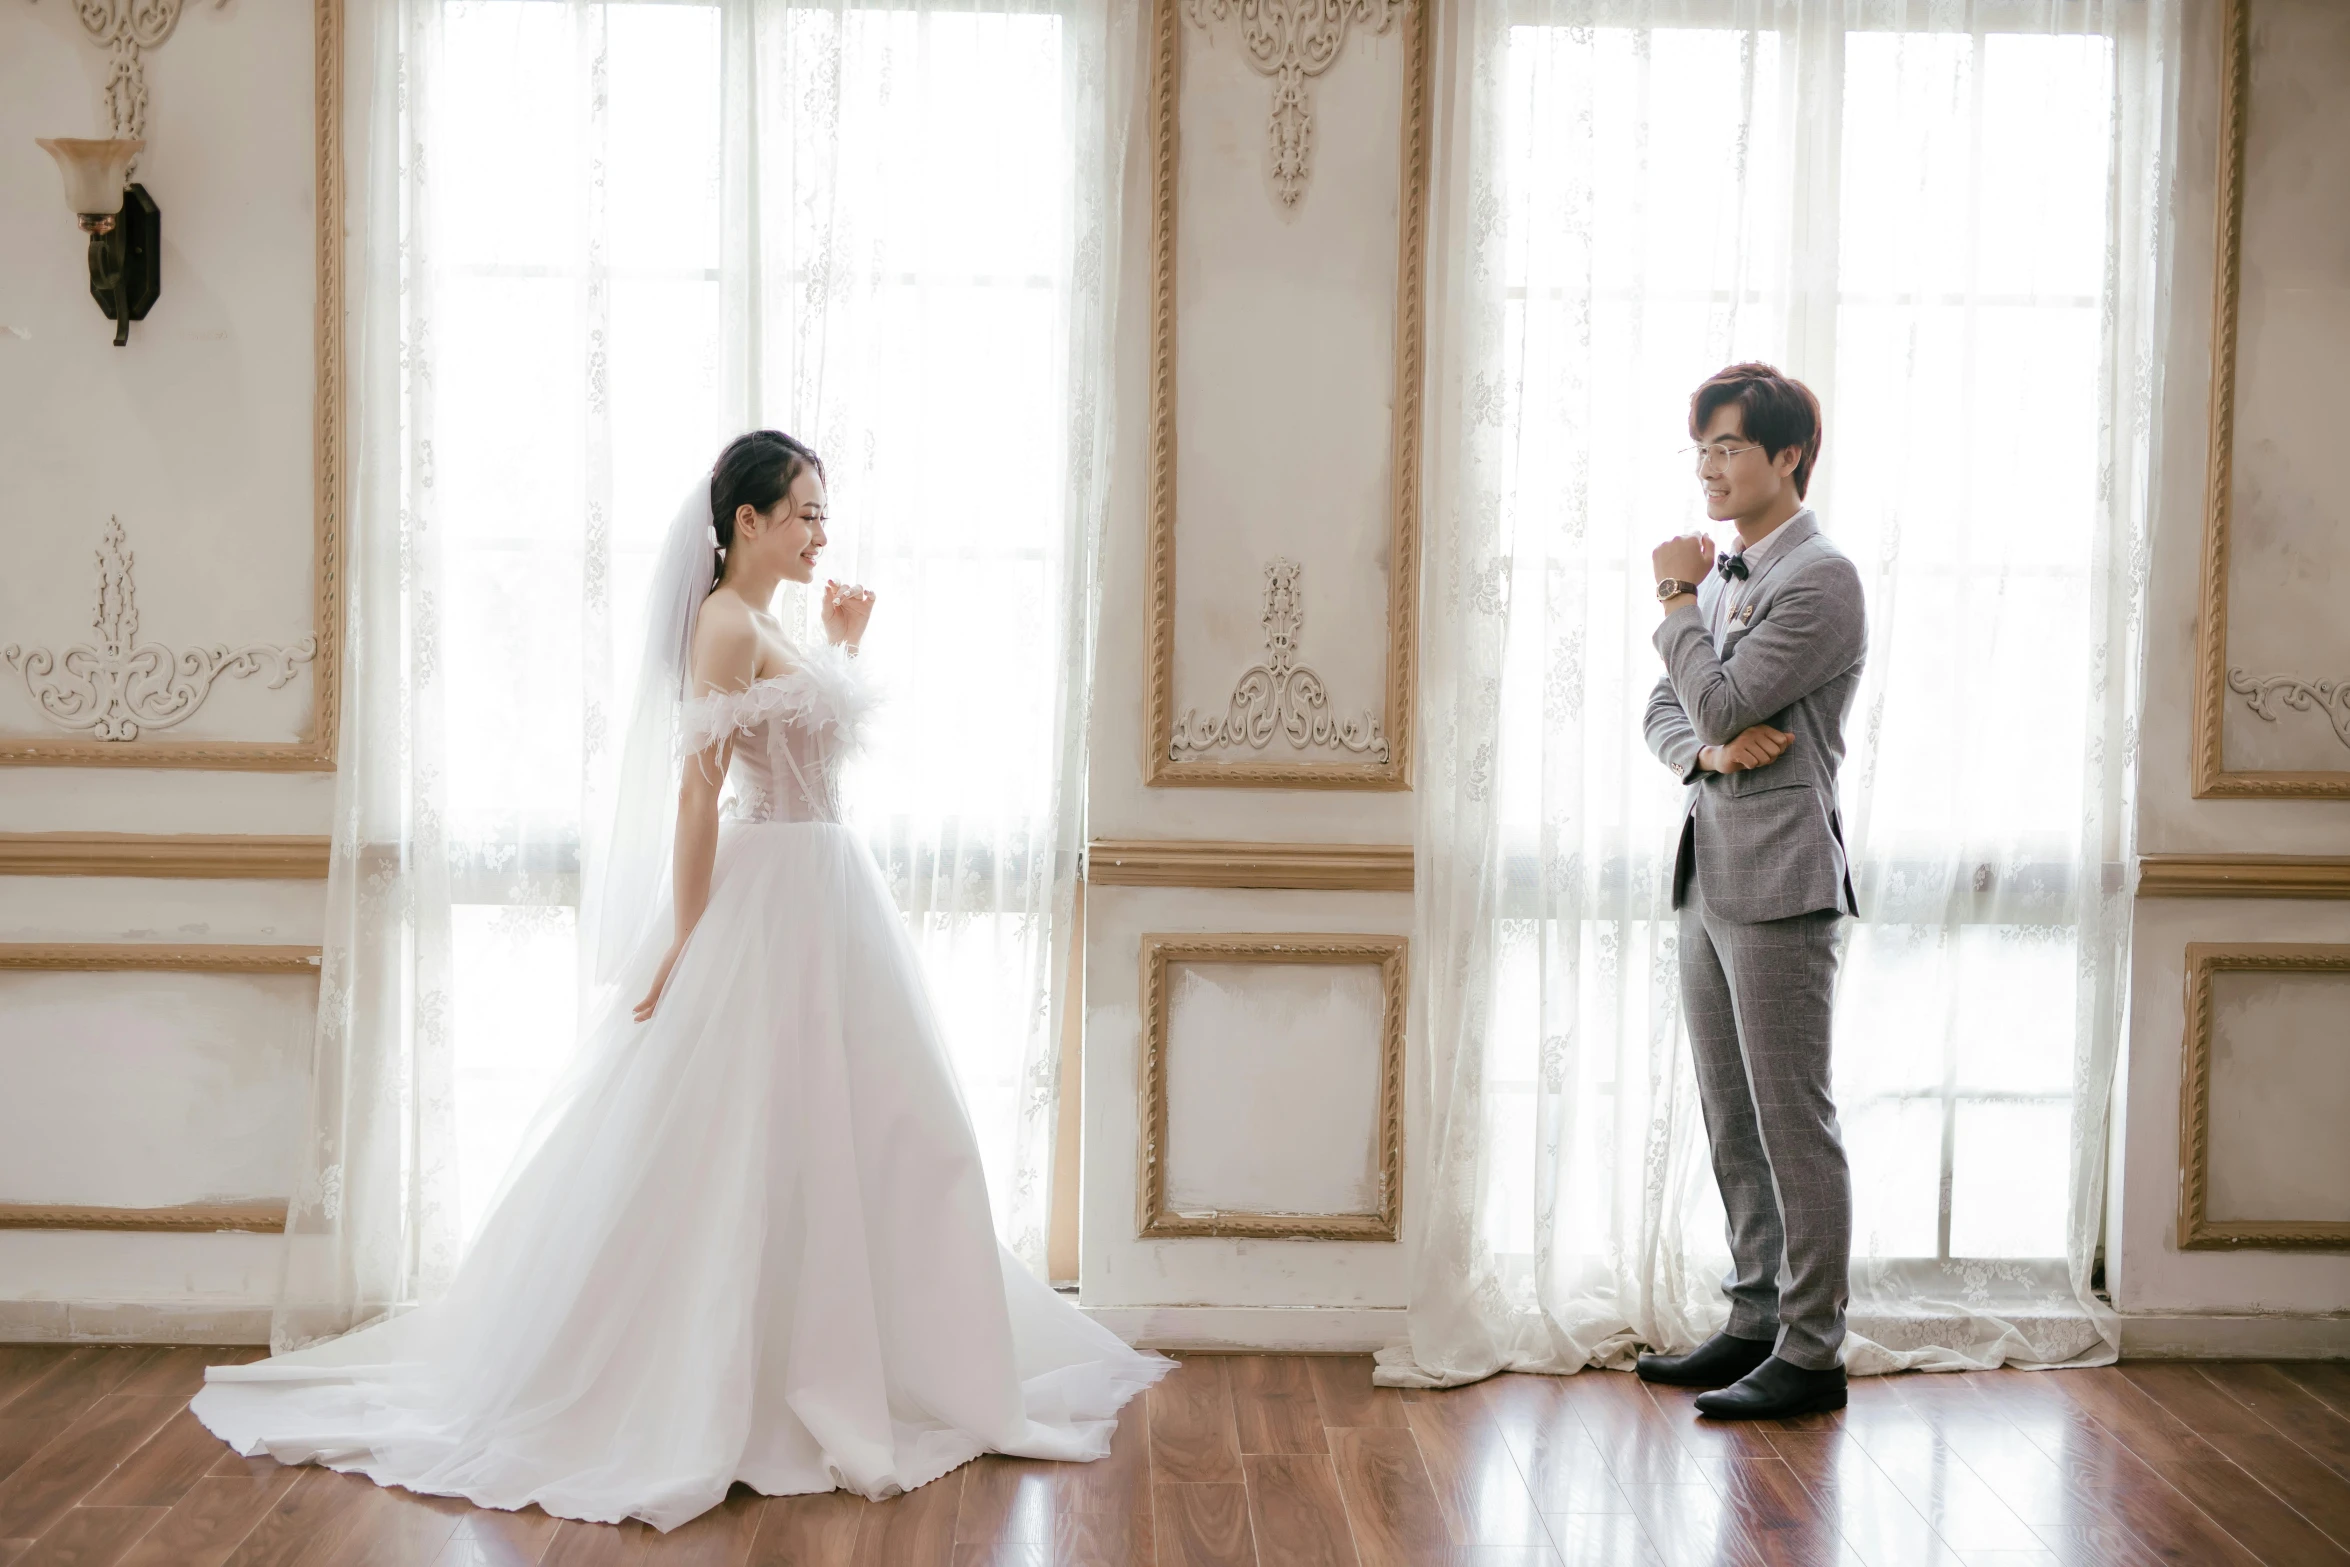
[746, 1240]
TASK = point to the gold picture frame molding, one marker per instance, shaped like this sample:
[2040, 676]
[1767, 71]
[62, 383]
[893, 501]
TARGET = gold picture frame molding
[315, 752]
[2243, 876]
[264, 1214]
[177, 856]
[1154, 1219]
[1160, 767]
[2198, 1231]
[1300, 867]
[2212, 778]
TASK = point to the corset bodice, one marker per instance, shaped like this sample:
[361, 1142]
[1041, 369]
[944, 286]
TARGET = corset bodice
[792, 735]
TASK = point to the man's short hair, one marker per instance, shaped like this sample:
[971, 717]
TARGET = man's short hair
[1776, 411]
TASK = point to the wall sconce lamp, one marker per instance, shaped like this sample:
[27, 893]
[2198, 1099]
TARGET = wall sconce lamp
[123, 222]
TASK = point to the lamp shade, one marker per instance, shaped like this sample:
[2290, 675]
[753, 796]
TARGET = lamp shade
[94, 170]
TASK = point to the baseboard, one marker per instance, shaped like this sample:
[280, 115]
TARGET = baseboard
[1292, 1329]
[2190, 1335]
[131, 1322]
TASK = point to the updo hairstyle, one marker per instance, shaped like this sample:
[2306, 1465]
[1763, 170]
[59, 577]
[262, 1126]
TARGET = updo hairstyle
[755, 470]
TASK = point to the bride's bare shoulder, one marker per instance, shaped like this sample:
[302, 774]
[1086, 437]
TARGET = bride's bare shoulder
[726, 645]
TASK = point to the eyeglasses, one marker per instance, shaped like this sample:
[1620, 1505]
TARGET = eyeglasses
[1716, 452]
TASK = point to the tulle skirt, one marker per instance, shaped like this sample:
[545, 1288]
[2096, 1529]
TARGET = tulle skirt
[746, 1240]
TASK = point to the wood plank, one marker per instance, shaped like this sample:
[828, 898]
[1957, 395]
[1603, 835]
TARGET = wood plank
[73, 1383]
[317, 1507]
[1203, 1524]
[159, 1472]
[795, 1531]
[1555, 1452]
[1194, 1430]
[2285, 1404]
[582, 1544]
[1007, 1554]
[1870, 1512]
[1106, 1537]
[913, 1530]
[1639, 1446]
[1273, 1397]
[1779, 1523]
[210, 1519]
[2230, 1497]
[2137, 1499]
[2311, 1489]
[1295, 1512]
[1688, 1525]
[1347, 1396]
[173, 1372]
[1599, 1540]
[67, 1468]
[392, 1528]
[19, 1440]
[1389, 1499]
[487, 1537]
[1120, 1480]
[1007, 1500]
[1478, 1487]
[21, 1365]
[1911, 1445]
[2328, 1381]
[90, 1537]
[2252, 1513]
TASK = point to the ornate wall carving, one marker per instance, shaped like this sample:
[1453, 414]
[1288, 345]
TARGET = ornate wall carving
[1292, 41]
[123, 687]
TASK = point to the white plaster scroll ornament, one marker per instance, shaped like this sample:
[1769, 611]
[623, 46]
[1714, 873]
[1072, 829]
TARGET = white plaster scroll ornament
[1289, 41]
[126, 30]
[2265, 693]
[1279, 696]
[123, 685]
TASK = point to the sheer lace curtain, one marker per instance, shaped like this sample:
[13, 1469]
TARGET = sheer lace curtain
[1943, 218]
[590, 242]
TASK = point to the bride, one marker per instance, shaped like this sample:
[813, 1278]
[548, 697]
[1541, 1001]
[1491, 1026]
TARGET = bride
[748, 1237]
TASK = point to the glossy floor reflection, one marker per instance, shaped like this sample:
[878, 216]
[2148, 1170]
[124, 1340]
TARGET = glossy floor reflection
[1297, 1461]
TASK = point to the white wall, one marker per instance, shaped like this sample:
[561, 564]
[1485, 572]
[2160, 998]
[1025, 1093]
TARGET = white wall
[2301, 551]
[198, 437]
[1285, 355]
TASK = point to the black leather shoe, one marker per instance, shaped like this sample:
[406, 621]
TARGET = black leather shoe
[1776, 1390]
[1718, 1362]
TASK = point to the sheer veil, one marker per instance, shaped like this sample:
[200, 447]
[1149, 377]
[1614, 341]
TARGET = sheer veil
[627, 899]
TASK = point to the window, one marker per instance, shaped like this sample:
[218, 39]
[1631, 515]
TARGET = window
[1917, 223]
[850, 223]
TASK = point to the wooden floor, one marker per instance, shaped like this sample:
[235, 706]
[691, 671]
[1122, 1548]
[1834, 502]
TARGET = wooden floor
[1282, 1459]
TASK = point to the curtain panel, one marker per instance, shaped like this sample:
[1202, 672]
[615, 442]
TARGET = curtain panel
[591, 240]
[1943, 218]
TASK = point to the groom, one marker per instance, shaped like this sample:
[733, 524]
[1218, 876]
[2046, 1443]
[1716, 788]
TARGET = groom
[1762, 651]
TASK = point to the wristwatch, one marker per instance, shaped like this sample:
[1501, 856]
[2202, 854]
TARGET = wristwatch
[1673, 588]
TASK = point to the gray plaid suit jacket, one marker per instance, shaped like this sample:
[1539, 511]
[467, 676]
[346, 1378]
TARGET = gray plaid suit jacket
[1768, 842]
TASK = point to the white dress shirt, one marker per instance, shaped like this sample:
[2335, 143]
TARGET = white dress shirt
[1732, 598]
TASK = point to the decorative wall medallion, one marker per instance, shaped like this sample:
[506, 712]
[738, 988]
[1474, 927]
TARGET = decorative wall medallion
[2265, 693]
[1290, 41]
[122, 684]
[126, 30]
[1279, 696]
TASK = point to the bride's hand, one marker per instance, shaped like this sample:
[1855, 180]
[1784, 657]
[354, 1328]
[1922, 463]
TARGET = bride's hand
[846, 609]
[644, 1008]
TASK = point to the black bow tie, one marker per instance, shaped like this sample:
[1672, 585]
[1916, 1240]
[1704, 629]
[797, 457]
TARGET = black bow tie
[1732, 566]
